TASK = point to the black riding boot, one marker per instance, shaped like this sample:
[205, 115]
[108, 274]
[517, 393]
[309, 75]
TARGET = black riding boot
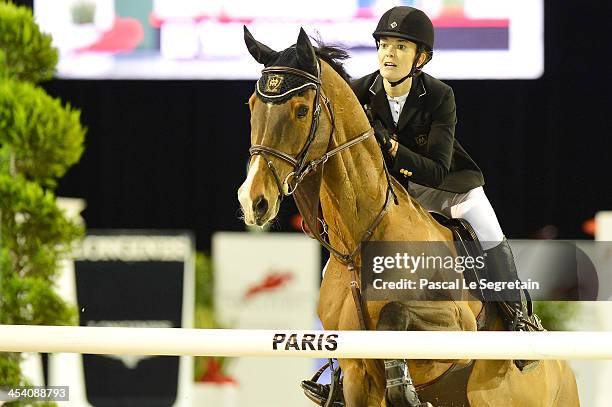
[516, 309]
[326, 395]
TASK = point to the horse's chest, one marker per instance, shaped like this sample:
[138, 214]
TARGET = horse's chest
[337, 308]
[334, 297]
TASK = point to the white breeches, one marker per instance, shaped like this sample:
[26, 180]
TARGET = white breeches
[473, 206]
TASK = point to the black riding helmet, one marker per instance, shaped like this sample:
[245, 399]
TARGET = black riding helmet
[411, 24]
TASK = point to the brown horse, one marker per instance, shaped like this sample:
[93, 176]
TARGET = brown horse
[309, 132]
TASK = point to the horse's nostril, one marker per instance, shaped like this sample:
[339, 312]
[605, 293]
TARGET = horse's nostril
[260, 206]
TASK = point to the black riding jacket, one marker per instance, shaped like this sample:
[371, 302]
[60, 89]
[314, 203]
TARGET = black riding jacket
[425, 132]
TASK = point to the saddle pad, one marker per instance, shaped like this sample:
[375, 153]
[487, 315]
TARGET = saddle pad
[450, 390]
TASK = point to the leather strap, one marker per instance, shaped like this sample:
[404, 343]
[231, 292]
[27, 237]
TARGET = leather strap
[294, 71]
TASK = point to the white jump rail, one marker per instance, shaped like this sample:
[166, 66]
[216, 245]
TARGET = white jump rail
[312, 344]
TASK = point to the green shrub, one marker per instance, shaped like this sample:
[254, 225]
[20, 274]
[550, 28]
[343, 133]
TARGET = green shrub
[28, 53]
[44, 137]
[556, 315]
[39, 140]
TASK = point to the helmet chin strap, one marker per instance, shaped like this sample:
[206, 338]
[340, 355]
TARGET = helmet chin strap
[394, 84]
[410, 75]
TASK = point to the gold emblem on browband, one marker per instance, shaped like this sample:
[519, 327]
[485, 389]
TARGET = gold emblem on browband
[273, 83]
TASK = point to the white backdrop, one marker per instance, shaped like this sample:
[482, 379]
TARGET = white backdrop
[204, 39]
[267, 281]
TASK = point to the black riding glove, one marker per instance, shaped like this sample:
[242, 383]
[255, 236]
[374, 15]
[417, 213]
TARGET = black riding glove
[383, 136]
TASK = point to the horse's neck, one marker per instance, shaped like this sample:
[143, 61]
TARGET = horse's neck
[354, 184]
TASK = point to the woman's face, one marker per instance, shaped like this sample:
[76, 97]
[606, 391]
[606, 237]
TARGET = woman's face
[395, 57]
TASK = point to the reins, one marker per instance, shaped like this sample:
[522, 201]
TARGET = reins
[301, 169]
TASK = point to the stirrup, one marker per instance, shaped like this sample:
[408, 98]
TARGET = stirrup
[519, 317]
[325, 395]
[531, 323]
[397, 375]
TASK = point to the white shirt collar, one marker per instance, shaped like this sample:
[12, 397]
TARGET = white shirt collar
[399, 99]
[396, 104]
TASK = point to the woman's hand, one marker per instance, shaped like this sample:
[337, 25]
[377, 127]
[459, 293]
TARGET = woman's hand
[383, 136]
[394, 147]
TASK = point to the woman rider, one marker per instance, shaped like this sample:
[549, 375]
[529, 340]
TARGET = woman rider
[414, 115]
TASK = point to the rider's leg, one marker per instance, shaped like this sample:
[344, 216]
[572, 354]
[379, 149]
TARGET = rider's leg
[474, 207]
[477, 210]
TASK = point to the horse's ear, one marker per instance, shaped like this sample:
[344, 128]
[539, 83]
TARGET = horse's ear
[306, 54]
[262, 53]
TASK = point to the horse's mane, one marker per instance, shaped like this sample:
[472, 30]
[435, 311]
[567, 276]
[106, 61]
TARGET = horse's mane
[333, 55]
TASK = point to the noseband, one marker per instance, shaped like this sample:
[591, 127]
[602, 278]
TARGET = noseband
[301, 168]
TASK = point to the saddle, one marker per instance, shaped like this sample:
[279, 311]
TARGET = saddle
[461, 228]
[467, 243]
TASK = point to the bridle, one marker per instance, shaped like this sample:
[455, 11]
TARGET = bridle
[301, 168]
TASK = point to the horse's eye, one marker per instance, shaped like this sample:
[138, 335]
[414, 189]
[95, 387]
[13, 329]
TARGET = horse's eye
[302, 111]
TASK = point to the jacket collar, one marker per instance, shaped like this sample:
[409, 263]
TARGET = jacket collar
[377, 86]
[380, 104]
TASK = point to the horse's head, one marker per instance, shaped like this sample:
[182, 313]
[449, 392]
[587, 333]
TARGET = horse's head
[288, 128]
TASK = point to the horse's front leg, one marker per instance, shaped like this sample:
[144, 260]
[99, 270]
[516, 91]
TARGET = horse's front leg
[358, 386]
[400, 390]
